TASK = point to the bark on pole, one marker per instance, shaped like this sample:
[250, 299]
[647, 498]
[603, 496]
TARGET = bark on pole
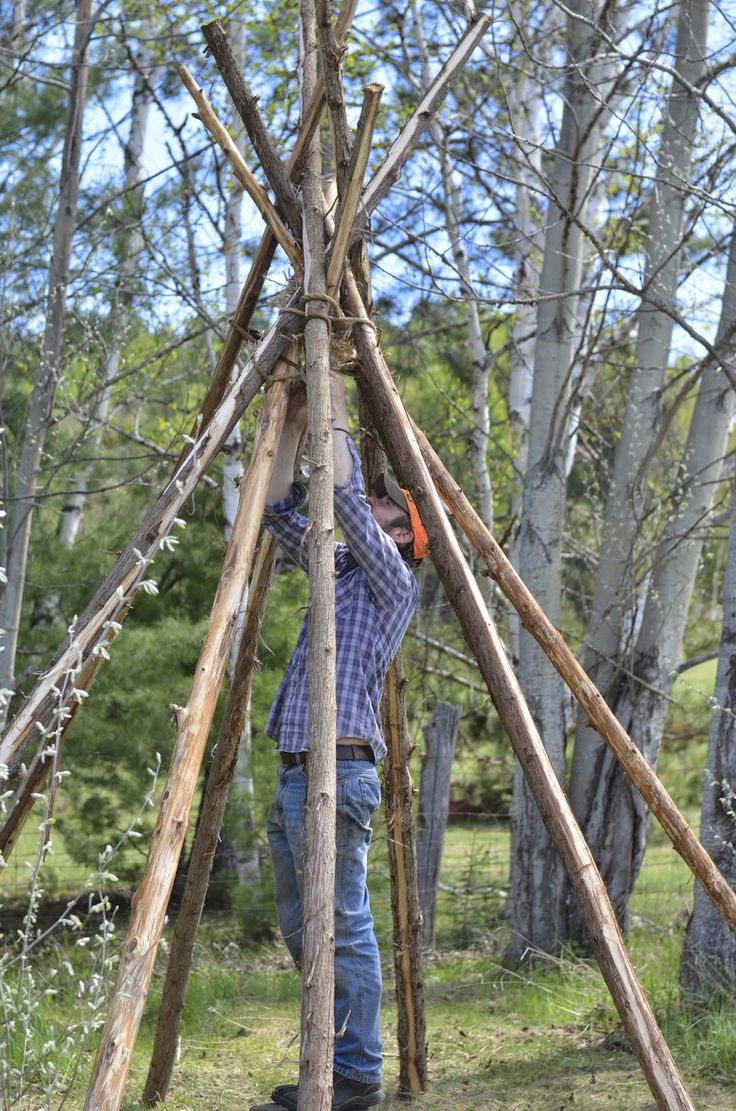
[636, 1016]
[599, 714]
[222, 770]
[318, 965]
[149, 904]
[434, 802]
[407, 916]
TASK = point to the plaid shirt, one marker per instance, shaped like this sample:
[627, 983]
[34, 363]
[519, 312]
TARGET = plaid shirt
[375, 598]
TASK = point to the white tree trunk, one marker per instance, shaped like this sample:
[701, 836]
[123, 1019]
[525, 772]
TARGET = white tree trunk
[708, 968]
[130, 247]
[453, 211]
[239, 831]
[47, 380]
[537, 876]
[614, 589]
[618, 819]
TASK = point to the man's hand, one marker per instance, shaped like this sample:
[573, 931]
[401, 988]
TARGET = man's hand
[296, 410]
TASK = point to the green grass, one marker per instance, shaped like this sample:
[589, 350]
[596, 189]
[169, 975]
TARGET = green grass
[498, 1039]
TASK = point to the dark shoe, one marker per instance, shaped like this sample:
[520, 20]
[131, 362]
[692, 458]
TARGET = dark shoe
[347, 1095]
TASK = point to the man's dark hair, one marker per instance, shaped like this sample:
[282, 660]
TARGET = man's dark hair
[406, 551]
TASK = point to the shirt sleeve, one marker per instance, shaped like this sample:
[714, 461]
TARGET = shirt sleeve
[387, 573]
[287, 525]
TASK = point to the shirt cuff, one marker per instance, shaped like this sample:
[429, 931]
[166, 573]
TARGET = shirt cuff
[286, 505]
[354, 483]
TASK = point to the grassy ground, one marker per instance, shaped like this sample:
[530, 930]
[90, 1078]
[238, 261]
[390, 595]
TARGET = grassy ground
[497, 1039]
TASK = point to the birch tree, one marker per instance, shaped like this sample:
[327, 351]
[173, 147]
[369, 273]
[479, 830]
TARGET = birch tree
[130, 246]
[615, 585]
[537, 878]
[708, 966]
[18, 529]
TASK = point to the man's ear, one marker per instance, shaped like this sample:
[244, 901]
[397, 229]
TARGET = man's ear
[402, 536]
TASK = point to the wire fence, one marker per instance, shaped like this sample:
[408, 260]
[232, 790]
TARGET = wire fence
[473, 896]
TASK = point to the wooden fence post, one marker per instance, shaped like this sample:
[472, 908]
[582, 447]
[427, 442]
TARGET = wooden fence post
[407, 916]
[434, 801]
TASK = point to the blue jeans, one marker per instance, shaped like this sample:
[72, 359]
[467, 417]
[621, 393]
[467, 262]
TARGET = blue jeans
[357, 964]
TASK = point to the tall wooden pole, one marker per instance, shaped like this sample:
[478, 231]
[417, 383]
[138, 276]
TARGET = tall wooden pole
[462, 590]
[149, 904]
[318, 958]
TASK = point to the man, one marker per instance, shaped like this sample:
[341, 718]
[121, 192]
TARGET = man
[375, 597]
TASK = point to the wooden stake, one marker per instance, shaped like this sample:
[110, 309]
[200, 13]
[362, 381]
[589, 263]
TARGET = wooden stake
[256, 192]
[353, 186]
[533, 618]
[407, 916]
[222, 769]
[149, 904]
[462, 590]
[411, 132]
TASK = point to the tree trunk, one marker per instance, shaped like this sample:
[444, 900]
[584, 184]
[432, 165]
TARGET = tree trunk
[237, 850]
[440, 737]
[618, 821]
[318, 975]
[615, 583]
[453, 211]
[44, 389]
[129, 251]
[708, 968]
[537, 879]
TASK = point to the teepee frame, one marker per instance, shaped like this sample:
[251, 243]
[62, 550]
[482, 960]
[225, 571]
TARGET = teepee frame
[421, 471]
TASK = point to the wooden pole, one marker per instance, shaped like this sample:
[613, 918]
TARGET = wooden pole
[240, 168]
[407, 916]
[149, 904]
[318, 934]
[50, 748]
[533, 618]
[462, 590]
[222, 769]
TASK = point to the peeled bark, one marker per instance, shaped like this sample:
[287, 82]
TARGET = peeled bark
[318, 965]
[615, 586]
[221, 773]
[52, 345]
[537, 880]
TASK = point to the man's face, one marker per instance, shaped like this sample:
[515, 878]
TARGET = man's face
[385, 512]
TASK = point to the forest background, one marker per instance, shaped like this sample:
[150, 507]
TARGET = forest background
[555, 285]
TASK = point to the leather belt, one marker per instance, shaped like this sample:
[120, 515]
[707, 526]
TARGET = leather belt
[344, 752]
